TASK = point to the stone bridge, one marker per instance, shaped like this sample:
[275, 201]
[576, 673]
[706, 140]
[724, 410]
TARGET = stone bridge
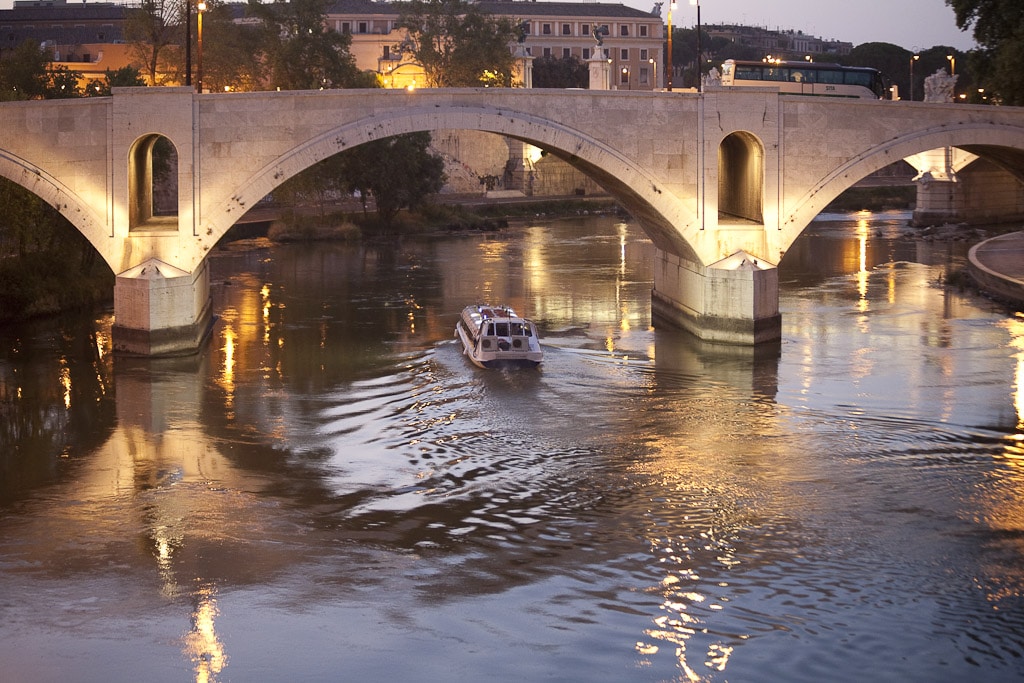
[723, 181]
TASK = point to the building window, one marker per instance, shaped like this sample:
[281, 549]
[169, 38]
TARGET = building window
[346, 27]
[546, 29]
[362, 27]
[584, 29]
[624, 54]
[623, 30]
[644, 77]
[566, 29]
[643, 30]
[624, 76]
[547, 52]
[387, 52]
[566, 53]
[643, 55]
[586, 53]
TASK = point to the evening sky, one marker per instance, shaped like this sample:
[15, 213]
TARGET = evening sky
[912, 24]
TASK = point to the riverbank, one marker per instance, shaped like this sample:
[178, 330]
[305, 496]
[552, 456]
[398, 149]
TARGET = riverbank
[997, 266]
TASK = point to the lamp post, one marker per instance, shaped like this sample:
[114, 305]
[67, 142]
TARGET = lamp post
[625, 77]
[201, 6]
[700, 52]
[654, 65]
[668, 57]
[912, 60]
[952, 64]
[188, 42]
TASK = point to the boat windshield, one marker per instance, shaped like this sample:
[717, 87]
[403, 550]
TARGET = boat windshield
[508, 329]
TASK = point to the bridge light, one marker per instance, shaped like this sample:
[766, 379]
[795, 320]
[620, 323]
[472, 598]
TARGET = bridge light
[912, 60]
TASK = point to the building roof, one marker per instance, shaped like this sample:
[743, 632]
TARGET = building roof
[564, 9]
[507, 8]
[77, 12]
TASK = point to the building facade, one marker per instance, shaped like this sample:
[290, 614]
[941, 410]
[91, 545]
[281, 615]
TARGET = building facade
[631, 39]
[88, 38]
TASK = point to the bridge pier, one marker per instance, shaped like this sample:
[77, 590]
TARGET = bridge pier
[160, 310]
[733, 301]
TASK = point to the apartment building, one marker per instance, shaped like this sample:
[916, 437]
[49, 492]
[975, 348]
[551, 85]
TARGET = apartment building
[633, 40]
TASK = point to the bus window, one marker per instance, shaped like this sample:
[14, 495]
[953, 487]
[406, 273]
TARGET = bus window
[801, 75]
[830, 76]
[858, 78]
[748, 73]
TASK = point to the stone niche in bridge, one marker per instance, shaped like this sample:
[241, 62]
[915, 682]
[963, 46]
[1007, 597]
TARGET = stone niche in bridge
[161, 310]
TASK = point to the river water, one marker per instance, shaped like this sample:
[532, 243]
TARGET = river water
[332, 492]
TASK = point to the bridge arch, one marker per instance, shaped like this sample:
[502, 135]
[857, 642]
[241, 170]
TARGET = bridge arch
[69, 204]
[1003, 145]
[653, 205]
[741, 162]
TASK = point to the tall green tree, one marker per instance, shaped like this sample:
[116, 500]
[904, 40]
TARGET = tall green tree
[62, 83]
[234, 54]
[125, 77]
[999, 31]
[398, 172]
[153, 29]
[23, 72]
[457, 44]
[301, 52]
[567, 72]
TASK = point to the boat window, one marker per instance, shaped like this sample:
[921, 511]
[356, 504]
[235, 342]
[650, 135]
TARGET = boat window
[517, 329]
[501, 329]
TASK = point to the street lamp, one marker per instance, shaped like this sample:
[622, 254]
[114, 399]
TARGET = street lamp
[912, 60]
[188, 43]
[625, 77]
[201, 6]
[654, 65]
[700, 52]
[668, 57]
[952, 64]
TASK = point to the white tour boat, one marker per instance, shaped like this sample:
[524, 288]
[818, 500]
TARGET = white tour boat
[494, 336]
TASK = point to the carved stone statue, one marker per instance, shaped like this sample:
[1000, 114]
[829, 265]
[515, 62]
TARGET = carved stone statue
[599, 33]
[939, 87]
[523, 31]
[656, 12]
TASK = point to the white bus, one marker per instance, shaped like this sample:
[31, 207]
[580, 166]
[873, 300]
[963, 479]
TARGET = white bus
[807, 78]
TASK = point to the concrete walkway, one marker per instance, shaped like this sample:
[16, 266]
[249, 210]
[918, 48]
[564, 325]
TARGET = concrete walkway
[997, 265]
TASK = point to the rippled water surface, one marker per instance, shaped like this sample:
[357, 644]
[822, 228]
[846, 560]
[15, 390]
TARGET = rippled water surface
[332, 492]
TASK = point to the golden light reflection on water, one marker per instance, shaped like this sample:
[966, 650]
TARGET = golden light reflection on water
[227, 375]
[862, 270]
[202, 645]
[65, 382]
[1015, 447]
[1017, 342]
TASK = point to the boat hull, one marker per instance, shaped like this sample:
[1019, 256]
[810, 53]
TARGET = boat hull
[494, 337]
